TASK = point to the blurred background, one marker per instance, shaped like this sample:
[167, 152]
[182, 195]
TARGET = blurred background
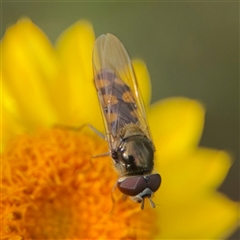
[191, 49]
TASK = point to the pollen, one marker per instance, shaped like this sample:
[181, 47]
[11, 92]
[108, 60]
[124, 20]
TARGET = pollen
[53, 188]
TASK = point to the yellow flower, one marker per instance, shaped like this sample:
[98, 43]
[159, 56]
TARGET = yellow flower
[52, 188]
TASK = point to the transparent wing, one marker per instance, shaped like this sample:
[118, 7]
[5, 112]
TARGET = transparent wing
[118, 93]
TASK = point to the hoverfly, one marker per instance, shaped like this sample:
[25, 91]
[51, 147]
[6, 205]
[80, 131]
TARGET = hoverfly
[124, 117]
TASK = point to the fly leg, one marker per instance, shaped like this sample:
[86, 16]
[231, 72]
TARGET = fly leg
[117, 198]
[112, 197]
[80, 128]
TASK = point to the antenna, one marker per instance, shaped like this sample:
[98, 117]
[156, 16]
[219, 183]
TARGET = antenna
[151, 202]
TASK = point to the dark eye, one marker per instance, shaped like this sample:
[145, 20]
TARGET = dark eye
[154, 181]
[132, 186]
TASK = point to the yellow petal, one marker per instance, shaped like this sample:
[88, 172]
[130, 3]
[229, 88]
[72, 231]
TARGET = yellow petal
[214, 217]
[10, 126]
[143, 80]
[176, 125]
[28, 65]
[75, 52]
[201, 172]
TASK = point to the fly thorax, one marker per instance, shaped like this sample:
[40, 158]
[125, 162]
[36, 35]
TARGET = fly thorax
[136, 155]
[131, 130]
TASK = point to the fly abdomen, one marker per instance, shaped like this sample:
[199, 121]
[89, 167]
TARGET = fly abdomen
[118, 101]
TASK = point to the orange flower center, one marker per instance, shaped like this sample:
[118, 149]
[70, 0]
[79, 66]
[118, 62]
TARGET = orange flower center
[54, 189]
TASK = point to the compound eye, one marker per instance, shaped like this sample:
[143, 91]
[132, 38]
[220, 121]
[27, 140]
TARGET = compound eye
[132, 186]
[154, 181]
